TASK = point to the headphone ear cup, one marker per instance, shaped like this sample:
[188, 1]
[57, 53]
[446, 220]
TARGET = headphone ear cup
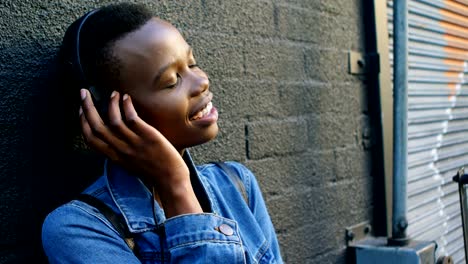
[73, 43]
[74, 75]
[101, 102]
[73, 40]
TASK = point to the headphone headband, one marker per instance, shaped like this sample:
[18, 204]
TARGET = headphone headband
[78, 59]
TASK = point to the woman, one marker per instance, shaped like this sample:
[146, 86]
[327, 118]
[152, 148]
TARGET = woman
[155, 102]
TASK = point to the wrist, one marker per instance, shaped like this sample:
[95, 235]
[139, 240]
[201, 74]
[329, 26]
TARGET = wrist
[177, 199]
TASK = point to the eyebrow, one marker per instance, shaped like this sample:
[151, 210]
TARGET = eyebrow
[165, 67]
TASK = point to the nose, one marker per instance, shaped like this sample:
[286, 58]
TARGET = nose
[200, 83]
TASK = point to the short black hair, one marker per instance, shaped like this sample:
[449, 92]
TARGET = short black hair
[98, 33]
[100, 66]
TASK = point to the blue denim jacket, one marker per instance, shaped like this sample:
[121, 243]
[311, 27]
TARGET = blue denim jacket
[231, 232]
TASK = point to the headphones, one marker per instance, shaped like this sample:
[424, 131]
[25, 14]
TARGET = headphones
[78, 67]
[100, 100]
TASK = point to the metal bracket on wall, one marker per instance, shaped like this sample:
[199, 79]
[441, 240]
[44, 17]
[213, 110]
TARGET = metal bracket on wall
[363, 248]
[359, 63]
[358, 233]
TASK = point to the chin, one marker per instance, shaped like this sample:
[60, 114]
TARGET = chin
[210, 134]
[195, 139]
[207, 136]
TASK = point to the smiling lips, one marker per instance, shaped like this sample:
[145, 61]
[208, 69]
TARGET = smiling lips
[202, 113]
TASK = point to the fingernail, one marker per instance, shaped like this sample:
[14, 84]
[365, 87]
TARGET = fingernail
[83, 94]
[113, 94]
[81, 111]
[125, 97]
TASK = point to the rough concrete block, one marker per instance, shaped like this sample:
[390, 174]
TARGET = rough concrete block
[308, 241]
[317, 210]
[321, 28]
[274, 60]
[228, 145]
[220, 56]
[305, 169]
[273, 138]
[15, 184]
[240, 99]
[319, 97]
[184, 15]
[305, 205]
[330, 130]
[244, 17]
[291, 207]
[328, 65]
[337, 256]
[334, 7]
[355, 198]
[352, 162]
[350, 200]
[324, 231]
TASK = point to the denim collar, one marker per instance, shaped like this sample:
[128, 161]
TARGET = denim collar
[135, 201]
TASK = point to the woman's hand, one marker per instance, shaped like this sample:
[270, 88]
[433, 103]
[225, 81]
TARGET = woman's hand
[140, 148]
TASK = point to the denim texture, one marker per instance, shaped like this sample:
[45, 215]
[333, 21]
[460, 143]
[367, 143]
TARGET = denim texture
[78, 233]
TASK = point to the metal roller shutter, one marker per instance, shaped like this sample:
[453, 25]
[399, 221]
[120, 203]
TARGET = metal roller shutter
[437, 119]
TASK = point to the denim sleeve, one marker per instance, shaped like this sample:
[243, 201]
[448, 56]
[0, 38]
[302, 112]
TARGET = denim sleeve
[69, 237]
[196, 238]
[258, 207]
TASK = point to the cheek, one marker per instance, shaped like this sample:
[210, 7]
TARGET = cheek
[165, 115]
[146, 111]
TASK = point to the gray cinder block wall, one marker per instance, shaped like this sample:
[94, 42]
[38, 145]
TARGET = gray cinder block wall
[289, 110]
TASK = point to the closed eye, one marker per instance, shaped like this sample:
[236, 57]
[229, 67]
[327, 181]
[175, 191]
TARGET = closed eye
[174, 84]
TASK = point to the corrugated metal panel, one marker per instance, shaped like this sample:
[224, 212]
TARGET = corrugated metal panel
[437, 119]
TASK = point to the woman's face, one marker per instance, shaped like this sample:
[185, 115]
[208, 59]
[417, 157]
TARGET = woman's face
[167, 88]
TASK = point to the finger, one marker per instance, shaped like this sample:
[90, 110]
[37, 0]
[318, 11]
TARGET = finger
[115, 120]
[135, 123]
[91, 114]
[97, 127]
[93, 141]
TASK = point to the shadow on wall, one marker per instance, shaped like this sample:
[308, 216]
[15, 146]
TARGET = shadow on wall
[41, 169]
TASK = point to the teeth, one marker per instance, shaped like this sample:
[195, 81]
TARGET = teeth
[203, 112]
[208, 108]
[197, 116]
